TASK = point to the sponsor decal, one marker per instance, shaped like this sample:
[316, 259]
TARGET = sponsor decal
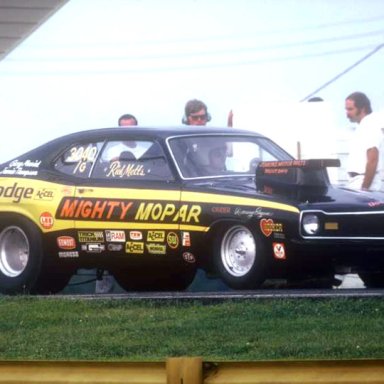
[90, 236]
[115, 236]
[46, 220]
[331, 226]
[67, 191]
[186, 213]
[93, 247]
[93, 209]
[16, 193]
[279, 251]
[280, 167]
[157, 249]
[44, 194]
[22, 168]
[268, 226]
[156, 236]
[115, 247]
[375, 203]
[66, 242]
[186, 239]
[134, 247]
[172, 240]
[68, 254]
[135, 235]
[221, 210]
[189, 257]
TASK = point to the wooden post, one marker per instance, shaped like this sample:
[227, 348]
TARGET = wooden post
[184, 370]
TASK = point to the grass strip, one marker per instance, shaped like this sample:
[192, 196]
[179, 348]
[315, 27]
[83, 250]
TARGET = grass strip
[269, 329]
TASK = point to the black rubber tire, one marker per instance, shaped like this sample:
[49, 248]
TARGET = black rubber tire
[21, 256]
[239, 257]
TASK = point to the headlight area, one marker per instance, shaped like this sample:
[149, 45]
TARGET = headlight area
[310, 224]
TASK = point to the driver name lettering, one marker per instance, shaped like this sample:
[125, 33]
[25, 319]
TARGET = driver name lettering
[128, 170]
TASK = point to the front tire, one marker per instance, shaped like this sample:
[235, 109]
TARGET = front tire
[20, 256]
[239, 257]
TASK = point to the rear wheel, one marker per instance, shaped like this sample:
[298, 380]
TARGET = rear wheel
[239, 257]
[20, 256]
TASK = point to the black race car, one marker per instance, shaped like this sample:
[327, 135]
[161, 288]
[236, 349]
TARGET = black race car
[151, 205]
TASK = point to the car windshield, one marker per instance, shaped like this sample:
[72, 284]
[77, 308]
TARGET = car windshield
[211, 156]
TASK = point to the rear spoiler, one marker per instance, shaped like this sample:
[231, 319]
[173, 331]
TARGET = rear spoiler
[291, 175]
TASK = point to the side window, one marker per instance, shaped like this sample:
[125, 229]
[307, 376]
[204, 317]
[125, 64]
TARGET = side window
[132, 160]
[79, 159]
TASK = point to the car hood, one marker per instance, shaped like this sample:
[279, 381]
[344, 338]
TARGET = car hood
[326, 197]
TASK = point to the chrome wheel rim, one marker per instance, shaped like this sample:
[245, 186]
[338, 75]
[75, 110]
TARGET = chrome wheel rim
[14, 251]
[238, 251]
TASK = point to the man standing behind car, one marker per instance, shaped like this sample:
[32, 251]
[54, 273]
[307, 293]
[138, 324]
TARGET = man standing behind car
[364, 156]
[127, 120]
[195, 113]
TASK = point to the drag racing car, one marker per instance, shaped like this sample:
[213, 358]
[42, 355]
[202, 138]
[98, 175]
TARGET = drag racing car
[151, 205]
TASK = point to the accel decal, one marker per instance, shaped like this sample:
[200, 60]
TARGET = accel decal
[156, 236]
[134, 247]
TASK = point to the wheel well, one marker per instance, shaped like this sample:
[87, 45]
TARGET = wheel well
[5, 217]
[215, 229]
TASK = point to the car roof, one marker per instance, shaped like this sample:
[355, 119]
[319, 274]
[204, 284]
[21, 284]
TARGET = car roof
[55, 145]
[162, 131]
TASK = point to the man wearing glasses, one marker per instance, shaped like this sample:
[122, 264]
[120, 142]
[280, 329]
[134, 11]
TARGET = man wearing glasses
[196, 113]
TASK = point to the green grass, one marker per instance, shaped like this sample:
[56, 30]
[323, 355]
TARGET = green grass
[129, 330]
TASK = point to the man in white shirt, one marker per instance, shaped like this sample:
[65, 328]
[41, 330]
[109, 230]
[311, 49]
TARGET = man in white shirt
[364, 156]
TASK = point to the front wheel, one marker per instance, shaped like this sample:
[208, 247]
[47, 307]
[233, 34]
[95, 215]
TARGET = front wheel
[20, 256]
[239, 257]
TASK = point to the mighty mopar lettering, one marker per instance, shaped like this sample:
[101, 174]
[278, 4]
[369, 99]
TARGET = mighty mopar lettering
[93, 209]
[72, 208]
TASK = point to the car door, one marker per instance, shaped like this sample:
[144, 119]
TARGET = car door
[129, 203]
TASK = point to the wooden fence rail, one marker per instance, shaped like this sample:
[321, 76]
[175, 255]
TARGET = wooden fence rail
[193, 370]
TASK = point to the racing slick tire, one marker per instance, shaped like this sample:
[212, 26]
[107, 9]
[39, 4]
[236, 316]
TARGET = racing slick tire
[141, 280]
[20, 255]
[239, 257]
